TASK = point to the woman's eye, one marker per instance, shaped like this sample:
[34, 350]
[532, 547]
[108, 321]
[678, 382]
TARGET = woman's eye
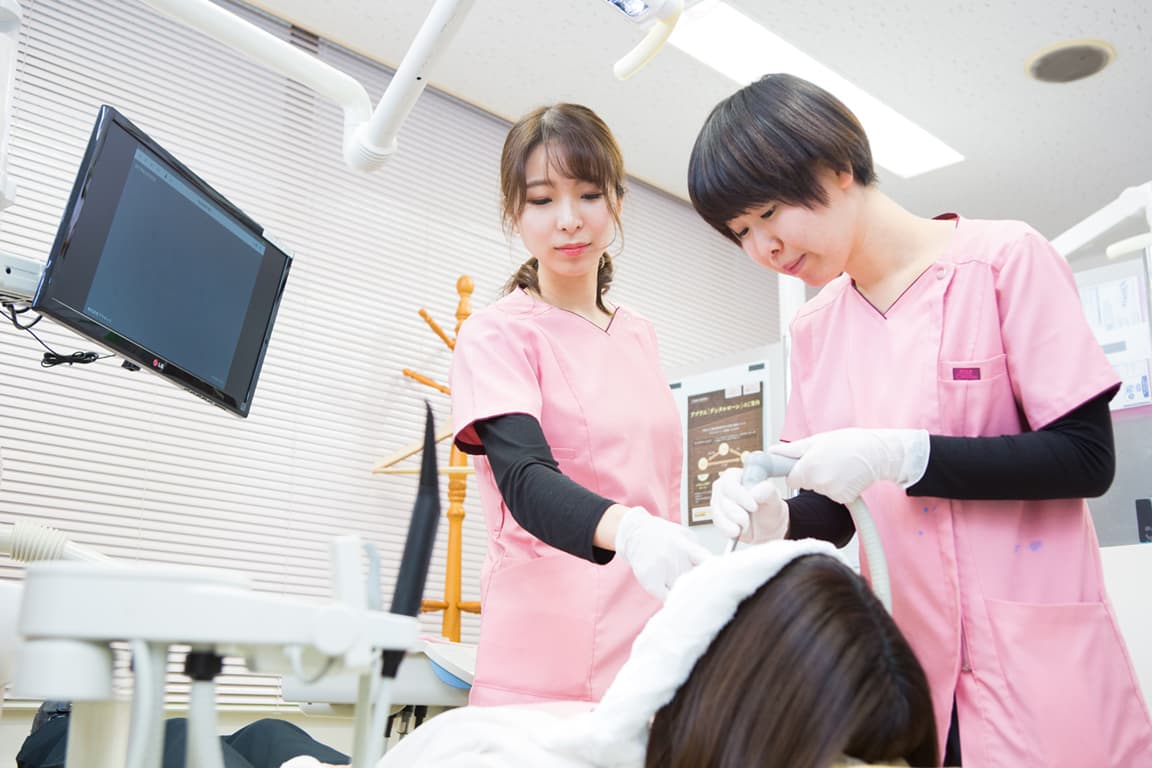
[592, 195]
[539, 200]
[768, 213]
[741, 234]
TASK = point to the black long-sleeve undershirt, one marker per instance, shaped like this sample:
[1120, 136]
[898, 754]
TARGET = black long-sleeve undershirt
[1073, 457]
[542, 499]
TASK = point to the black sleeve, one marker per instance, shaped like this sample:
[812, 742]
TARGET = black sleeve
[1073, 457]
[543, 500]
[814, 516]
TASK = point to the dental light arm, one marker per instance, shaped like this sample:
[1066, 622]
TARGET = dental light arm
[666, 13]
[1130, 202]
[369, 136]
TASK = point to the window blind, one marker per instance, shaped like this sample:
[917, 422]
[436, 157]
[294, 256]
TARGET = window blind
[137, 468]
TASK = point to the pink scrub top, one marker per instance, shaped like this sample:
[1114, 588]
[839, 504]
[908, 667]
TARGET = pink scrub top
[1003, 601]
[554, 626]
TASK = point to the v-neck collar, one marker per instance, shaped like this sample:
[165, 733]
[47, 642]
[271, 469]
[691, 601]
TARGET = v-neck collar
[895, 302]
[937, 266]
[546, 307]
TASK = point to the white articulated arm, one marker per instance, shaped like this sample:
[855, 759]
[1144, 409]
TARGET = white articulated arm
[666, 13]
[369, 136]
[1130, 202]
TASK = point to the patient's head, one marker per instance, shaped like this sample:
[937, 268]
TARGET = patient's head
[811, 668]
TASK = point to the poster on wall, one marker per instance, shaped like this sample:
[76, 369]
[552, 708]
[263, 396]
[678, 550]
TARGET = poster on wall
[721, 426]
[1115, 302]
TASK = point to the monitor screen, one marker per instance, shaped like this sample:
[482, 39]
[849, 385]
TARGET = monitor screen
[155, 265]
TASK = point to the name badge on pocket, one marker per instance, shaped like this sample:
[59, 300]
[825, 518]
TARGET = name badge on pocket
[966, 374]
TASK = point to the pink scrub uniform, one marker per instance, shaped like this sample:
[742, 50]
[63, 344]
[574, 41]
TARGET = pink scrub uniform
[554, 626]
[1003, 601]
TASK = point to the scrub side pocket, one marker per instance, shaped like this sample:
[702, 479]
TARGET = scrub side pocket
[1066, 665]
[538, 626]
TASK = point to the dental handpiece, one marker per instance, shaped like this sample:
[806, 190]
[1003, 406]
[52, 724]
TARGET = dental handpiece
[758, 467]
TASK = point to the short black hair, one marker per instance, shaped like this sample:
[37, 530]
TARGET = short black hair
[767, 143]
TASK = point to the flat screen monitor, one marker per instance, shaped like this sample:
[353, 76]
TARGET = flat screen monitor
[158, 267]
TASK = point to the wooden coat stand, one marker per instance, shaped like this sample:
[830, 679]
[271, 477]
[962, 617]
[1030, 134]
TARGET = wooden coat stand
[457, 471]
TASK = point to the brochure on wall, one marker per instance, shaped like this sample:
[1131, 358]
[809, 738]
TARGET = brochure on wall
[1115, 301]
[721, 426]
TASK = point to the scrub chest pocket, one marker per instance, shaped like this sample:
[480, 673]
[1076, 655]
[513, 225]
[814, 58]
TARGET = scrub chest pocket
[978, 395]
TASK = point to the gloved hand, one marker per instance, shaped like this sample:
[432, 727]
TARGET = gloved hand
[756, 514]
[842, 463]
[658, 550]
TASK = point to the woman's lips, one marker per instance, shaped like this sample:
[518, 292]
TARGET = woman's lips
[794, 267]
[572, 249]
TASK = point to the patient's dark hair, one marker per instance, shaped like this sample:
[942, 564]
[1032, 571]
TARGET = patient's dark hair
[811, 668]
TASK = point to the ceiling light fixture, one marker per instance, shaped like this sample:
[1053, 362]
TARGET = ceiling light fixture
[734, 45]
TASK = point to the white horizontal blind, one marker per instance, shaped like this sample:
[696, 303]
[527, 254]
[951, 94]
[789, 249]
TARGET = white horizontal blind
[131, 465]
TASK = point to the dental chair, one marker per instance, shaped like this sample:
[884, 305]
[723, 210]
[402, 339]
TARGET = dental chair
[74, 603]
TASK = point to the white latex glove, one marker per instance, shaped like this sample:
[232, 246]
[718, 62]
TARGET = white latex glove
[658, 550]
[842, 463]
[756, 514]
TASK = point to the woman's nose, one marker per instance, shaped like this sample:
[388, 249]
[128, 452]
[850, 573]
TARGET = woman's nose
[763, 247]
[567, 217]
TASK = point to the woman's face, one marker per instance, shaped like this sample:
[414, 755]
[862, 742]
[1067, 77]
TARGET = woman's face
[566, 223]
[813, 244]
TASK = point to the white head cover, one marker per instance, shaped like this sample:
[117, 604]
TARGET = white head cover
[701, 603]
[615, 733]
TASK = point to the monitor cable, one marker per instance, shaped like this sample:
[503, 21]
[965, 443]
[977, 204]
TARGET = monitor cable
[51, 357]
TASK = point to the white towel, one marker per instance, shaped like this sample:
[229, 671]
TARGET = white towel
[614, 734]
[701, 603]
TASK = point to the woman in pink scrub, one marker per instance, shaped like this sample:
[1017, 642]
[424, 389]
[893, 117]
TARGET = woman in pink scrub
[945, 373]
[560, 396]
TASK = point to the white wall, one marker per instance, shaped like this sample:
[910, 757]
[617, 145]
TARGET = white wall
[1127, 575]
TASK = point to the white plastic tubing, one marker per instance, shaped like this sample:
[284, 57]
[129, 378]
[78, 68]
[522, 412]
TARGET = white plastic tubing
[369, 136]
[27, 542]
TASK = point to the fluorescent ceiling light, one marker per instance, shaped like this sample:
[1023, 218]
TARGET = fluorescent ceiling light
[739, 48]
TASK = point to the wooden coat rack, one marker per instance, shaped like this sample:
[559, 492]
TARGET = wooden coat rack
[457, 471]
